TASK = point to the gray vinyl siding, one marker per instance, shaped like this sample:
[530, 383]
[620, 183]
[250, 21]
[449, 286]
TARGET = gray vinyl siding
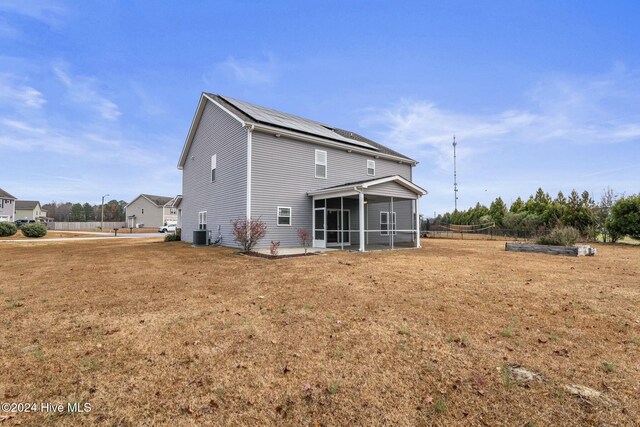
[283, 171]
[391, 189]
[7, 209]
[225, 199]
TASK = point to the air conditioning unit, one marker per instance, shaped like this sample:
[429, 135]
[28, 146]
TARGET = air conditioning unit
[200, 237]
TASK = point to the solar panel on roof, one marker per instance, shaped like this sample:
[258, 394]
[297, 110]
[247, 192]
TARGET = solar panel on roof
[274, 117]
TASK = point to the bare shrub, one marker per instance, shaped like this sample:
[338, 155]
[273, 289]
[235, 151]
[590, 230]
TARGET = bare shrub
[275, 246]
[305, 238]
[248, 232]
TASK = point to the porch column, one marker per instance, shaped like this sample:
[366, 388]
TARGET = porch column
[341, 220]
[417, 202]
[392, 225]
[361, 218]
[313, 221]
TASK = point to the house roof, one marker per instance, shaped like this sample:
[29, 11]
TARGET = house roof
[175, 202]
[5, 195]
[26, 204]
[370, 183]
[156, 200]
[277, 118]
[255, 113]
[273, 120]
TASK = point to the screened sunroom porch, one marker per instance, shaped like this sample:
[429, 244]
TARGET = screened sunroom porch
[370, 215]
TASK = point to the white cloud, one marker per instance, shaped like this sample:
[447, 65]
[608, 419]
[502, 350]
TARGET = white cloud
[576, 110]
[13, 93]
[82, 90]
[89, 145]
[49, 12]
[247, 71]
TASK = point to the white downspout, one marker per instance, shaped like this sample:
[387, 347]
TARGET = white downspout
[361, 216]
[249, 146]
[418, 223]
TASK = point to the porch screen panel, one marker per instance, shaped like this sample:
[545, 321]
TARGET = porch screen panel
[319, 231]
[389, 224]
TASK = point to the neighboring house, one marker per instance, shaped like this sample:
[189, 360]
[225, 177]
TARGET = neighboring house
[30, 210]
[175, 204]
[241, 160]
[148, 210]
[7, 206]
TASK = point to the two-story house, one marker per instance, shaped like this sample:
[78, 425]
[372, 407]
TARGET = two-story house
[30, 210]
[241, 160]
[151, 211]
[7, 206]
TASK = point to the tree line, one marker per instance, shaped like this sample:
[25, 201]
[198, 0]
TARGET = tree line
[611, 218]
[81, 212]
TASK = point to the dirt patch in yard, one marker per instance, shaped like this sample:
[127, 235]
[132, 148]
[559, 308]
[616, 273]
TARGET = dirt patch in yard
[163, 333]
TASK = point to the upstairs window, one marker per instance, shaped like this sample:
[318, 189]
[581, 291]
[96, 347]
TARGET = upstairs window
[371, 167]
[321, 164]
[214, 165]
[142, 209]
[284, 216]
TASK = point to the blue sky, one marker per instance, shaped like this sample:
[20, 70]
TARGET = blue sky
[97, 97]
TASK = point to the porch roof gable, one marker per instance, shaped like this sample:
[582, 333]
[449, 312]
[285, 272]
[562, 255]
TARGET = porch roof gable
[358, 186]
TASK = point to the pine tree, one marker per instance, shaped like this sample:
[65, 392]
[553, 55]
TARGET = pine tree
[77, 213]
[517, 206]
[89, 212]
[497, 210]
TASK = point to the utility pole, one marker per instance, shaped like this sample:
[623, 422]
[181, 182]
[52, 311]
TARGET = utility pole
[455, 178]
[102, 216]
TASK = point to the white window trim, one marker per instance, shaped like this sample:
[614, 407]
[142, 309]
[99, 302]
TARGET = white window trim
[316, 163]
[200, 217]
[391, 224]
[278, 216]
[372, 162]
[384, 232]
[214, 167]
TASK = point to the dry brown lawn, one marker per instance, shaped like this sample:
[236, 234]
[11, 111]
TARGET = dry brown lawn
[154, 333]
[50, 235]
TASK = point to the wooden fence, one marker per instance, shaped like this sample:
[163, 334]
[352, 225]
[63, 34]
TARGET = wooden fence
[89, 225]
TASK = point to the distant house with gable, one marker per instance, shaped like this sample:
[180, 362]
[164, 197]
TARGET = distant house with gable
[30, 210]
[148, 210]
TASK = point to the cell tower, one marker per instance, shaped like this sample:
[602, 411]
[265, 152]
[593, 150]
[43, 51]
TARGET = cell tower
[455, 178]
